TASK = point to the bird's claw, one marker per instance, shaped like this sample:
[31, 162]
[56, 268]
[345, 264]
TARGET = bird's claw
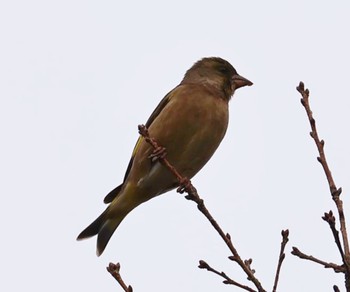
[185, 184]
[158, 153]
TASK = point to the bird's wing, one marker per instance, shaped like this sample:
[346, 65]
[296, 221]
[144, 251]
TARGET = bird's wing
[114, 193]
[160, 107]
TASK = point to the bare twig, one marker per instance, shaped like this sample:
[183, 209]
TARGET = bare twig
[330, 219]
[228, 280]
[335, 192]
[335, 267]
[114, 269]
[281, 257]
[186, 186]
[245, 265]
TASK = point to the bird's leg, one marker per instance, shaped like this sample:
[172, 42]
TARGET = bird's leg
[185, 184]
[158, 153]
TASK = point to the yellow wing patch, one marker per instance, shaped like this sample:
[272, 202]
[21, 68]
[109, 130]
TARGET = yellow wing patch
[139, 140]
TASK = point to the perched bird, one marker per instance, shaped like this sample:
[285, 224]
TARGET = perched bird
[190, 122]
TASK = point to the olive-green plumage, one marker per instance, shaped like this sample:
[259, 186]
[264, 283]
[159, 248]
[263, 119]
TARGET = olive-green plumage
[190, 123]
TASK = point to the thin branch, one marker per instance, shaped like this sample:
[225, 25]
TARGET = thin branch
[330, 219]
[186, 186]
[285, 234]
[114, 270]
[245, 265]
[228, 280]
[335, 267]
[335, 192]
[319, 143]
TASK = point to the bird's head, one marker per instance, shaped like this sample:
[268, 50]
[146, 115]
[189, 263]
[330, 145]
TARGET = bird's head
[218, 73]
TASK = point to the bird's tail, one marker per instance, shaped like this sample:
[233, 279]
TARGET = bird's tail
[104, 227]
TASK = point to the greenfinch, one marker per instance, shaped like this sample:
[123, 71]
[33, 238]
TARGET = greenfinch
[190, 122]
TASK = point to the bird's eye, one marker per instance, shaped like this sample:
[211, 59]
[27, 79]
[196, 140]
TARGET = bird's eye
[223, 70]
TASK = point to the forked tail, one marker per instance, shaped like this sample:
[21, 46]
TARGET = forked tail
[104, 228]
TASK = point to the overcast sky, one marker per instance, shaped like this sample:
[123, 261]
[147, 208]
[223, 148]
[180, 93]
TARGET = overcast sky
[77, 77]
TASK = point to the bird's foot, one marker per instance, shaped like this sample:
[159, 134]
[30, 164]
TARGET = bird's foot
[185, 185]
[158, 153]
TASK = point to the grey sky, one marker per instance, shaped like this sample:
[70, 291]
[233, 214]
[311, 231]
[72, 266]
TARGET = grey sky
[77, 77]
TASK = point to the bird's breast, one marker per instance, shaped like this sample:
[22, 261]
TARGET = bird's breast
[192, 128]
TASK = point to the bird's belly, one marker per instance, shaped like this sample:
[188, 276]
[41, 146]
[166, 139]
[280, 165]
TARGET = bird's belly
[196, 138]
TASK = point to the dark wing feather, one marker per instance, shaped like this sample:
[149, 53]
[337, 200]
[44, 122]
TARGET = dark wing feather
[112, 194]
